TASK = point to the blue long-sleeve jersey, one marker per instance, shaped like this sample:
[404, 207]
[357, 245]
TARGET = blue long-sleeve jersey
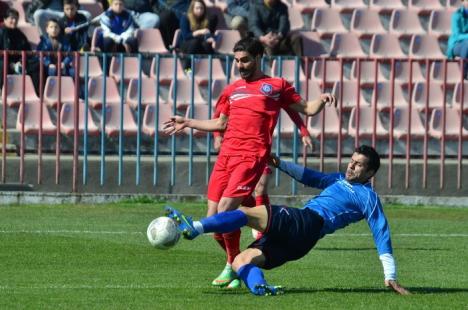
[342, 203]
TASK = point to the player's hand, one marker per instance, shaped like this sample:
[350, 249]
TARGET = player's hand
[393, 285]
[217, 143]
[307, 141]
[68, 30]
[329, 99]
[274, 161]
[174, 125]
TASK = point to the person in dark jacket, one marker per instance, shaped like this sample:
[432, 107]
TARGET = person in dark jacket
[54, 41]
[170, 13]
[269, 22]
[13, 39]
[142, 11]
[238, 10]
[79, 39]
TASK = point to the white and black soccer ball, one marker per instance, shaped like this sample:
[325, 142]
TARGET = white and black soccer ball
[162, 233]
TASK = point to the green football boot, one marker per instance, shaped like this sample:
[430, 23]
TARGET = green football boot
[225, 277]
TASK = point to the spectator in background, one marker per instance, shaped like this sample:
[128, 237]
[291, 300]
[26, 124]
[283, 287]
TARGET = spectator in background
[40, 11]
[54, 41]
[3, 8]
[269, 22]
[118, 28]
[13, 39]
[458, 40]
[197, 30]
[78, 38]
[170, 12]
[142, 11]
[238, 10]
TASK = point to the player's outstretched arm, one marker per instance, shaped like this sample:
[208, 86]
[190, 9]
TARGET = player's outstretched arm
[393, 285]
[313, 107]
[178, 123]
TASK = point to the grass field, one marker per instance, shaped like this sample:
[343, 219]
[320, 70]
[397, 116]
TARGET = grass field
[97, 257]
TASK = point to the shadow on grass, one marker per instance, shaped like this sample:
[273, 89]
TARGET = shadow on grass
[373, 249]
[414, 290]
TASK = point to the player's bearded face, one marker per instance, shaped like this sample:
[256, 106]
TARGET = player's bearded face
[246, 64]
[357, 170]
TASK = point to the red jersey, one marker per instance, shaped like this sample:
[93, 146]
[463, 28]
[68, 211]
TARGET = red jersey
[252, 109]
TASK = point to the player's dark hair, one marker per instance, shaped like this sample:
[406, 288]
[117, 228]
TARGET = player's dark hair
[11, 13]
[70, 2]
[249, 45]
[372, 156]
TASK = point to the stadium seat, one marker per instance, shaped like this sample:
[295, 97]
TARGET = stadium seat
[96, 40]
[225, 40]
[310, 90]
[452, 124]
[383, 96]
[386, 46]
[440, 22]
[425, 46]
[367, 72]
[200, 111]
[402, 72]
[346, 45]
[285, 125]
[217, 88]
[331, 124]
[32, 119]
[366, 123]
[113, 115]
[93, 7]
[94, 67]
[166, 69]
[183, 89]
[453, 3]
[295, 19]
[349, 95]
[95, 91]
[67, 120]
[14, 88]
[202, 70]
[365, 22]
[332, 73]
[148, 92]
[149, 126]
[311, 45]
[19, 6]
[405, 22]
[457, 96]
[348, 5]
[401, 118]
[386, 5]
[326, 22]
[424, 6]
[453, 72]
[234, 75]
[308, 6]
[436, 95]
[150, 41]
[51, 90]
[32, 34]
[130, 68]
[288, 69]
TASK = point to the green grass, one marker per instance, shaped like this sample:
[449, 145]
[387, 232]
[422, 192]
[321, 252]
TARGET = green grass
[97, 257]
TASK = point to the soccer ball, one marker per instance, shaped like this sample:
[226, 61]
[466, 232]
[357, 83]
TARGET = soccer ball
[162, 233]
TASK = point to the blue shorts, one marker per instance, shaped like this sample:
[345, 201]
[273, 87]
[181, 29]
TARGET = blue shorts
[290, 234]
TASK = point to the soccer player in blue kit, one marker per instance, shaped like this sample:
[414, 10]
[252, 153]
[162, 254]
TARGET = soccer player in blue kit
[290, 233]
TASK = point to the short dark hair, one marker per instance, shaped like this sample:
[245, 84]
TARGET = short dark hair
[70, 2]
[11, 13]
[372, 156]
[52, 20]
[249, 45]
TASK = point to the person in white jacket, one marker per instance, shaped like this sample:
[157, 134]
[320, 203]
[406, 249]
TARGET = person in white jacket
[118, 28]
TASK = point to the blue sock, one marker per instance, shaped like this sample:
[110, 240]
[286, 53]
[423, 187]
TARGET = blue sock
[252, 276]
[224, 222]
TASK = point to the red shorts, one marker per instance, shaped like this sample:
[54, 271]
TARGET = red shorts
[235, 176]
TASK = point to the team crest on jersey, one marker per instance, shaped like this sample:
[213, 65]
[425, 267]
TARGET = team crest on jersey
[266, 89]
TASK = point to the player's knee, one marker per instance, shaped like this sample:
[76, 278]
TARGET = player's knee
[248, 256]
[241, 260]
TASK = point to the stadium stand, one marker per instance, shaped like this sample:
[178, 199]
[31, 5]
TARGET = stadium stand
[405, 22]
[287, 69]
[112, 124]
[308, 6]
[225, 40]
[403, 114]
[150, 41]
[131, 68]
[166, 69]
[182, 88]
[346, 45]
[367, 72]
[14, 87]
[332, 71]
[452, 124]
[201, 70]
[425, 46]
[326, 22]
[453, 72]
[457, 96]
[436, 95]
[32, 33]
[366, 125]
[32, 119]
[382, 96]
[402, 72]
[349, 94]
[311, 45]
[153, 118]
[347, 5]
[366, 22]
[330, 121]
[67, 120]
[200, 111]
[96, 89]
[386, 46]
[148, 92]
[386, 5]
[424, 6]
[51, 90]
[439, 23]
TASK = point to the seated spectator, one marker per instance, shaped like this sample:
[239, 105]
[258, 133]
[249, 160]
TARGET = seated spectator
[40, 11]
[77, 36]
[13, 39]
[118, 29]
[142, 12]
[3, 8]
[197, 30]
[269, 22]
[170, 12]
[238, 10]
[458, 40]
[54, 41]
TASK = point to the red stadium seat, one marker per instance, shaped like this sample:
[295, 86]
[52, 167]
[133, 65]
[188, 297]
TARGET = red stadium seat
[436, 96]
[94, 67]
[348, 5]
[148, 92]
[386, 5]
[424, 6]
[440, 23]
[383, 95]
[308, 6]
[405, 22]
[331, 124]
[326, 22]
[95, 90]
[217, 88]
[311, 45]
[225, 40]
[402, 72]
[150, 41]
[113, 114]
[202, 70]
[97, 32]
[365, 22]
[32, 119]
[425, 46]
[51, 90]
[452, 124]
[346, 45]
[288, 69]
[366, 125]
[295, 19]
[67, 120]
[401, 118]
[453, 72]
[131, 70]
[285, 125]
[457, 96]
[386, 46]
[32, 34]
[310, 90]
[367, 72]
[15, 90]
[183, 89]
[332, 73]
[149, 125]
[93, 7]
[349, 95]
[201, 111]
[166, 69]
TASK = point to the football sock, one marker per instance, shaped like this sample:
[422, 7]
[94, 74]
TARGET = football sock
[262, 200]
[252, 276]
[222, 222]
[248, 202]
[220, 239]
[232, 241]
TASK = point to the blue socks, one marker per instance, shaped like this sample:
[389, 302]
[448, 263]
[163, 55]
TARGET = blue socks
[224, 222]
[252, 276]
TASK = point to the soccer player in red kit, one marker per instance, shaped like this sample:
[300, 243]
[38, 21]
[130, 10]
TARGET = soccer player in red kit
[249, 109]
